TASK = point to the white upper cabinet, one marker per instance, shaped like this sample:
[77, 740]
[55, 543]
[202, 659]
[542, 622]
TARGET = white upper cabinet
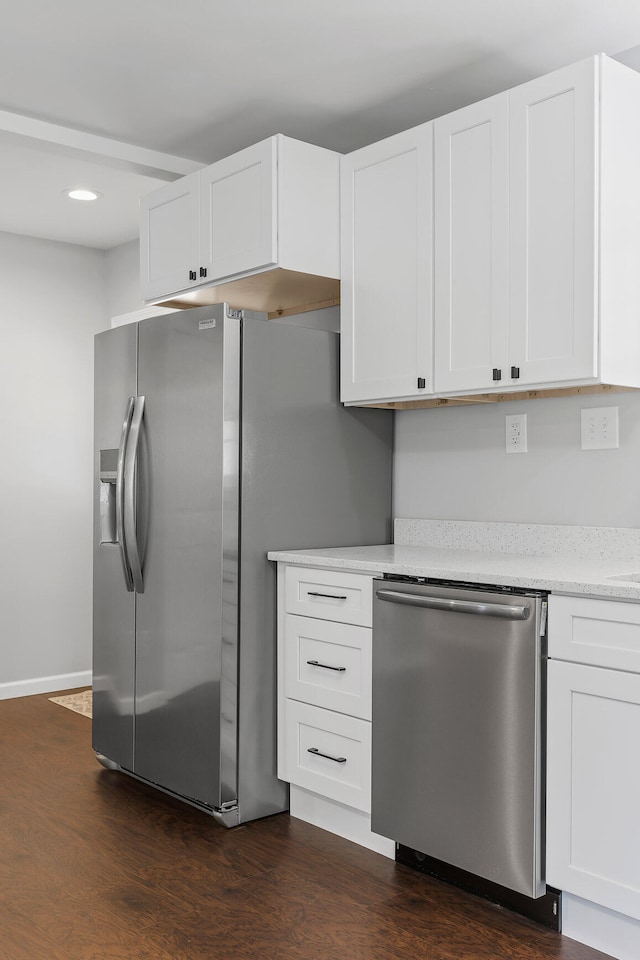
[471, 213]
[536, 240]
[516, 218]
[386, 295]
[169, 242]
[238, 218]
[537, 234]
[553, 306]
[275, 204]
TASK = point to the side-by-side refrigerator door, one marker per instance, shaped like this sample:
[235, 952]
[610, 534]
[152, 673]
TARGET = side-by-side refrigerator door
[185, 732]
[113, 600]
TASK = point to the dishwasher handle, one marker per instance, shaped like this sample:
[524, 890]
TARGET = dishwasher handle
[501, 610]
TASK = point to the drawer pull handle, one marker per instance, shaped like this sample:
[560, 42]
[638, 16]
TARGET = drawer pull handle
[325, 666]
[329, 596]
[327, 756]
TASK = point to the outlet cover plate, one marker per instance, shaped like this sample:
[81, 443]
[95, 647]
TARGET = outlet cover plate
[599, 428]
[516, 433]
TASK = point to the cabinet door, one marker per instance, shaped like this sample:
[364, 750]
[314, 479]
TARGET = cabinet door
[238, 228]
[553, 184]
[169, 238]
[471, 247]
[593, 784]
[386, 200]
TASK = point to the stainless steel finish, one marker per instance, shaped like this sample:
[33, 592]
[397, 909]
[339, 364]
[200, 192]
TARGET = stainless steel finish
[499, 610]
[325, 666]
[313, 471]
[543, 618]
[108, 460]
[227, 816]
[231, 433]
[113, 605]
[457, 731]
[120, 494]
[244, 448]
[327, 756]
[106, 762]
[129, 498]
[180, 615]
[108, 532]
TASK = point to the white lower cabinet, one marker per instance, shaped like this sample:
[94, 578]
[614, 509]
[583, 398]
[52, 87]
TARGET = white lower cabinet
[324, 699]
[593, 778]
[329, 753]
[329, 665]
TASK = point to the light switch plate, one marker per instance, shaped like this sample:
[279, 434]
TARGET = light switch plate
[599, 428]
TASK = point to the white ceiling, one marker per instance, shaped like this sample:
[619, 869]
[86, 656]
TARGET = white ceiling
[202, 78]
[32, 200]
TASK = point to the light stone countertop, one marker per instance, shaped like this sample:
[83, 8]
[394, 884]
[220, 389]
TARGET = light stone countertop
[559, 574]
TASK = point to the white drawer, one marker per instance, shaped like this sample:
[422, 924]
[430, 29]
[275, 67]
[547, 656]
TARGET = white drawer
[343, 597]
[344, 772]
[328, 664]
[604, 633]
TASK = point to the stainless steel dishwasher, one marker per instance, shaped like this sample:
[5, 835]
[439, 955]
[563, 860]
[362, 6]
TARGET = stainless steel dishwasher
[457, 764]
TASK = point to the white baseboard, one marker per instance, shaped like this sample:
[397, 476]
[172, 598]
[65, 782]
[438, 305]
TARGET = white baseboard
[27, 688]
[600, 928]
[336, 818]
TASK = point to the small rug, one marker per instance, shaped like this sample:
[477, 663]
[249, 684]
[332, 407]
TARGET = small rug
[78, 702]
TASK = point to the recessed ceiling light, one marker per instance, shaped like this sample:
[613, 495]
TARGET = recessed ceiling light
[79, 194]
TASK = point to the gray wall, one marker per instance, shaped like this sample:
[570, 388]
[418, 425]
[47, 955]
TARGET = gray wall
[450, 463]
[53, 301]
[123, 279]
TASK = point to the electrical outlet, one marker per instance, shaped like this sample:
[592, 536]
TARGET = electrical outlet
[516, 433]
[599, 428]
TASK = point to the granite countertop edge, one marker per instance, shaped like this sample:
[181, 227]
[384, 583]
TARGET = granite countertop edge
[557, 574]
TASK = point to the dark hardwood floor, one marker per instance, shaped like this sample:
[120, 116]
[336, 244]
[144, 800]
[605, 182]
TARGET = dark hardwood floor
[95, 866]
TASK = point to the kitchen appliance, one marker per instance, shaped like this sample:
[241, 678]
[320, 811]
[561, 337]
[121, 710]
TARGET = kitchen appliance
[218, 436]
[457, 765]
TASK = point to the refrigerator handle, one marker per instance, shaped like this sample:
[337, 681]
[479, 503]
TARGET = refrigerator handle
[130, 495]
[120, 492]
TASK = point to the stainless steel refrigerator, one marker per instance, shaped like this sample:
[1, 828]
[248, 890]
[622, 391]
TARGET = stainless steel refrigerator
[218, 437]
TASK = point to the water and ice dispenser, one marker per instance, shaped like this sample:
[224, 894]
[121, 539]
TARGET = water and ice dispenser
[108, 478]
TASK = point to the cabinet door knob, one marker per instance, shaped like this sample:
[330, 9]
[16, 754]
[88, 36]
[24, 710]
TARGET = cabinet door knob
[497, 373]
[203, 271]
[192, 275]
[421, 383]
[515, 373]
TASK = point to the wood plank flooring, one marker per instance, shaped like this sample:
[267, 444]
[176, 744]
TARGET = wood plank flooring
[95, 866]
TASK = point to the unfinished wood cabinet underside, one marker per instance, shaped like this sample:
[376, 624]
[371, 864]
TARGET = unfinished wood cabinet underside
[273, 291]
[500, 397]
